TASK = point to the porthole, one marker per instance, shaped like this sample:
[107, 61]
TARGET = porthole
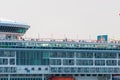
[39, 68]
[32, 68]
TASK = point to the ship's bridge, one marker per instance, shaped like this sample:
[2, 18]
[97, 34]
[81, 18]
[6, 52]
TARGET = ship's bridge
[12, 29]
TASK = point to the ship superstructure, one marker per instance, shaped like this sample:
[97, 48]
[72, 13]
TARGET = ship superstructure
[22, 59]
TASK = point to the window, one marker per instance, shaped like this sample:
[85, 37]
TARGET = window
[12, 61]
[100, 62]
[111, 62]
[68, 62]
[32, 68]
[39, 68]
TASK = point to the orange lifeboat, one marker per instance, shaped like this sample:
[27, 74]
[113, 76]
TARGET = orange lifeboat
[62, 78]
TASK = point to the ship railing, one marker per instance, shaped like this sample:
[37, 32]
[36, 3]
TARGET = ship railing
[60, 40]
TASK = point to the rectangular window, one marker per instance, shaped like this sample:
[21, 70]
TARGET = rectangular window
[111, 62]
[68, 62]
[100, 62]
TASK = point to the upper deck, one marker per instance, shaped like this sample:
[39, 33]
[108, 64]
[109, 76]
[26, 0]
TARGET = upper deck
[55, 44]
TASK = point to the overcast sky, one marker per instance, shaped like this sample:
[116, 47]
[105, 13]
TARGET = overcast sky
[82, 19]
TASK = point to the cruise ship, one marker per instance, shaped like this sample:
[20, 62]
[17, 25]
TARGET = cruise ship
[38, 59]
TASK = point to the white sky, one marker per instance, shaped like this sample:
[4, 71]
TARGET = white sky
[82, 19]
